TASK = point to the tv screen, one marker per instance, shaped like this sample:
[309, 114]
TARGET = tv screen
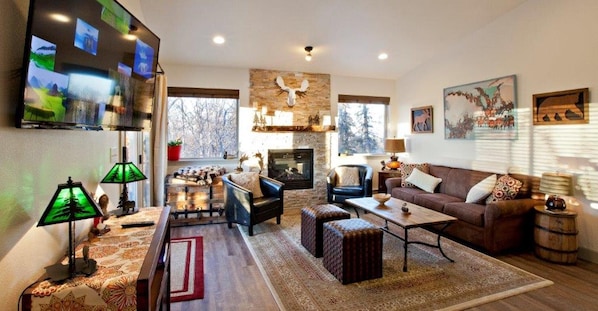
[88, 64]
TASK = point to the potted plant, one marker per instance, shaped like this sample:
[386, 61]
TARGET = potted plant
[174, 149]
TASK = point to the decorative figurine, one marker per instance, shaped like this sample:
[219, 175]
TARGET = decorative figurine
[103, 202]
[405, 209]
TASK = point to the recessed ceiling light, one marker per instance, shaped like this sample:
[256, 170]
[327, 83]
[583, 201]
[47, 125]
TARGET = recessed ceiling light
[219, 39]
[382, 56]
[60, 17]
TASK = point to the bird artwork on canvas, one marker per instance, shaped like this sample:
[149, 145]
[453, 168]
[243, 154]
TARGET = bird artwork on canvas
[292, 92]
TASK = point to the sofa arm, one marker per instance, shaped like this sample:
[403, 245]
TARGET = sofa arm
[509, 208]
[392, 182]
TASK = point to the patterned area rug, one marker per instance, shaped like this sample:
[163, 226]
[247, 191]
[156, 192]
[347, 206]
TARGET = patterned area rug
[300, 282]
[186, 269]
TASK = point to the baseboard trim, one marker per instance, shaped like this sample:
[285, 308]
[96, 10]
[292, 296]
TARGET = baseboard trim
[588, 254]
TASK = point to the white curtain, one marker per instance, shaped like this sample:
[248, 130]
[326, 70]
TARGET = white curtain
[158, 139]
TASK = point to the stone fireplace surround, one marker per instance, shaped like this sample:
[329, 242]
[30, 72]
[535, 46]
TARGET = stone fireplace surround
[318, 141]
[264, 92]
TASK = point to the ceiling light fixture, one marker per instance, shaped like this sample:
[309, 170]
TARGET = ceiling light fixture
[219, 39]
[308, 49]
[382, 56]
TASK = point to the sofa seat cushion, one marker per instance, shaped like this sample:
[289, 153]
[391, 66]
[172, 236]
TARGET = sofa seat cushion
[435, 201]
[406, 194]
[468, 212]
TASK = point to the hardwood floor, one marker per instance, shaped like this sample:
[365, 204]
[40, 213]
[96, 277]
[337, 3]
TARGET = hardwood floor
[233, 280]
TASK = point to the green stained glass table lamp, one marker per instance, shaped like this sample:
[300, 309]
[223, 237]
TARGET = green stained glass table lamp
[123, 173]
[70, 203]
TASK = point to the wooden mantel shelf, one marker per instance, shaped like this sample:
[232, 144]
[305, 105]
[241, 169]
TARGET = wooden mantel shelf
[294, 128]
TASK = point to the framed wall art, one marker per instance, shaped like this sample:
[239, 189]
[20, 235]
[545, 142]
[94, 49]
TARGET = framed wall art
[481, 110]
[422, 120]
[564, 107]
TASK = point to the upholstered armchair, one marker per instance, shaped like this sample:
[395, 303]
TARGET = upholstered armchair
[250, 198]
[349, 181]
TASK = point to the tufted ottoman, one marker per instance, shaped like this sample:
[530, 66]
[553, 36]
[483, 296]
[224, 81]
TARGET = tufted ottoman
[312, 221]
[352, 250]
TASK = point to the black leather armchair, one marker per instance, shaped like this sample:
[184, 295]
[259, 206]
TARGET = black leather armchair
[338, 193]
[242, 208]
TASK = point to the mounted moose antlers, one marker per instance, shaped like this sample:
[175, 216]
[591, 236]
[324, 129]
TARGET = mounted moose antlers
[292, 92]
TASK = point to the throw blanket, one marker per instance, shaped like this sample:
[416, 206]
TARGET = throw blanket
[201, 175]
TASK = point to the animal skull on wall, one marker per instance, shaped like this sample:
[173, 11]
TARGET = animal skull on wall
[292, 92]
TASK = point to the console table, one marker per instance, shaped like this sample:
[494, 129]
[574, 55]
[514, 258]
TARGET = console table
[133, 269]
[186, 197]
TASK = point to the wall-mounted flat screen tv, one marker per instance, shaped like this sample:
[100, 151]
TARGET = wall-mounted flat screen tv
[88, 64]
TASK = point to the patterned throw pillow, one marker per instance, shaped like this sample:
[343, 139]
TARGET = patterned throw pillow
[250, 181]
[506, 188]
[347, 176]
[406, 170]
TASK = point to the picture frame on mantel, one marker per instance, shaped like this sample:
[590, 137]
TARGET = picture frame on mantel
[422, 120]
[563, 107]
[481, 110]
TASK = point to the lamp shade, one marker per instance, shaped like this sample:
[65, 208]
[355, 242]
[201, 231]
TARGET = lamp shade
[394, 145]
[122, 173]
[556, 183]
[70, 202]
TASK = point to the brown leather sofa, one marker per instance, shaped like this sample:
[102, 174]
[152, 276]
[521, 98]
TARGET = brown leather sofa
[495, 227]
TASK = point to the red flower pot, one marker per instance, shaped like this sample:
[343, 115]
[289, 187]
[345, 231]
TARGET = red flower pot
[174, 153]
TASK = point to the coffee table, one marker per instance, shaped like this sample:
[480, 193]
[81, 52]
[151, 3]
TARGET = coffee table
[418, 217]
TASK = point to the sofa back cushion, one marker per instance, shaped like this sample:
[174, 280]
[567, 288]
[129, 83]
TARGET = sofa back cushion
[441, 172]
[459, 181]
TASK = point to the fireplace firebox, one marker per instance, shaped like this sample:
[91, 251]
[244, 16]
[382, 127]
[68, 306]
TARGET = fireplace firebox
[293, 167]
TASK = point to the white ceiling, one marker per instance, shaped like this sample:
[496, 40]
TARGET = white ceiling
[347, 35]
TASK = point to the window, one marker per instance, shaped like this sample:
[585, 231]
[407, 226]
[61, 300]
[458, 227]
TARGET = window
[205, 119]
[361, 124]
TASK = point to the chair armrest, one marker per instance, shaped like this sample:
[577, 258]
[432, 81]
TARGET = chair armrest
[236, 193]
[271, 187]
[367, 183]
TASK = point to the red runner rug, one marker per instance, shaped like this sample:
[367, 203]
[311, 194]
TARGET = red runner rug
[186, 269]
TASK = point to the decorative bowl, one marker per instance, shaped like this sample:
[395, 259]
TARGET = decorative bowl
[381, 197]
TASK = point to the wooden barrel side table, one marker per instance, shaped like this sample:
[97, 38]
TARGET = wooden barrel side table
[555, 235]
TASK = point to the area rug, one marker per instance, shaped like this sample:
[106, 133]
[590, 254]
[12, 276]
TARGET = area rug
[186, 269]
[300, 282]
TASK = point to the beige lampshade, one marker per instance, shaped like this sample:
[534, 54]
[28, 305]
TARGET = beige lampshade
[556, 183]
[394, 145]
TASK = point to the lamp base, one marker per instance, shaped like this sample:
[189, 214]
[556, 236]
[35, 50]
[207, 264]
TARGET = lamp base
[127, 208]
[555, 203]
[60, 272]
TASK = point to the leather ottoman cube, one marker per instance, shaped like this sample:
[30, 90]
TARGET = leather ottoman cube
[312, 221]
[352, 250]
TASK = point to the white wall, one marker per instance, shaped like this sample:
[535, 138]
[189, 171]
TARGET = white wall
[551, 46]
[33, 163]
[228, 78]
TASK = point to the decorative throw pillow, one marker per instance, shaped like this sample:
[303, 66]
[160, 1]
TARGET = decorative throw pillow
[481, 190]
[423, 181]
[506, 188]
[406, 170]
[347, 176]
[250, 181]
